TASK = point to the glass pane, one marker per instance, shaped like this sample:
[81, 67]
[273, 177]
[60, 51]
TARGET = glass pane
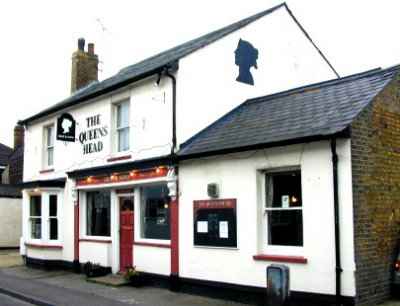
[155, 212]
[36, 228]
[123, 140]
[53, 205]
[50, 152]
[50, 136]
[36, 206]
[283, 190]
[123, 115]
[98, 213]
[53, 229]
[285, 227]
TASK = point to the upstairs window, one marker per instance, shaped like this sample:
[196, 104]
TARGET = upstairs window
[284, 208]
[49, 145]
[35, 216]
[122, 126]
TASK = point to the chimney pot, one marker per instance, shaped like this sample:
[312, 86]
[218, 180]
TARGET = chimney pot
[19, 132]
[91, 48]
[81, 44]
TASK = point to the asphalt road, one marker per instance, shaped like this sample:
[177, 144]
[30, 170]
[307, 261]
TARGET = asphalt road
[5, 300]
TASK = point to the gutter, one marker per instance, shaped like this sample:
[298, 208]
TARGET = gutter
[338, 268]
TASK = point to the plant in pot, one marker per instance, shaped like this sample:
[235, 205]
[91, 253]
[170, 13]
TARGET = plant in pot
[133, 276]
[94, 269]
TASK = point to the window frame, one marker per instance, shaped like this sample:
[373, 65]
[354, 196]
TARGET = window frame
[50, 217]
[45, 217]
[266, 247]
[121, 128]
[49, 147]
[30, 218]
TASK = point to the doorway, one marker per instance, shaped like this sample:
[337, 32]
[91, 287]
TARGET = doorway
[126, 218]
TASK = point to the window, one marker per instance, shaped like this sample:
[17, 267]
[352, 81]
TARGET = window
[122, 127]
[49, 148]
[98, 209]
[35, 216]
[53, 220]
[154, 212]
[284, 208]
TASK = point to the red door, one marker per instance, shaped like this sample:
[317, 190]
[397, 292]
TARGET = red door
[126, 233]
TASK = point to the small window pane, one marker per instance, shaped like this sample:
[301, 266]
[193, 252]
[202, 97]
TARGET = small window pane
[123, 139]
[53, 205]
[50, 153]
[53, 229]
[36, 228]
[285, 227]
[123, 115]
[50, 140]
[36, 206]
[155, 213]
[98, 213]
[284, 189]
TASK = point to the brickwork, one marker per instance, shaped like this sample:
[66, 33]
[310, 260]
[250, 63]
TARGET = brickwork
[84, 69]
[376, 194]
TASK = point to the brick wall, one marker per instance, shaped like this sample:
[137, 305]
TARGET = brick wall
[376, 193]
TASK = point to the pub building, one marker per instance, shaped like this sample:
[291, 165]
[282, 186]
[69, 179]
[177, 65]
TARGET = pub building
[163, 167]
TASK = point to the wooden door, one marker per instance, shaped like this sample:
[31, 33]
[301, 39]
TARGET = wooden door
[126, 232]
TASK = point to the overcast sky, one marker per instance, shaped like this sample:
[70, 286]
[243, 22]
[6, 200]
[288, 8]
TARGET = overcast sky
[38, 38]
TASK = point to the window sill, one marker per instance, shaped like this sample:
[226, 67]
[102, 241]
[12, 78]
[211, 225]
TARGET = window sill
[44, 171]
[216, 247]
[43, 246]
[118, 158]
[96, 240]
[281, 258]
[150, 244]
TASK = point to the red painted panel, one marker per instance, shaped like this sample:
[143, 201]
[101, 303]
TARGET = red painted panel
[112, 159]
[281, 258]
[174, 211]
[43, 246]
[126, 239]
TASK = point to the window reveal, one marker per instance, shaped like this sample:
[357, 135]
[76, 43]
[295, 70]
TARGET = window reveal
[98, 210]
[35, 216]
[215, 223]
[284, 208]
[155, 212]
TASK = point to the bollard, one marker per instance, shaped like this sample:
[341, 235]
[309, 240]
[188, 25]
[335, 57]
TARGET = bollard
[278, 288]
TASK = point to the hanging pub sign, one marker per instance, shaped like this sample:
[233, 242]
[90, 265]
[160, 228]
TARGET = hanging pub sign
[91, 137]
[66, 126]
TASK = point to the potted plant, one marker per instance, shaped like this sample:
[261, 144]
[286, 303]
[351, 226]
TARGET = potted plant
[133, 276]
[94, 269]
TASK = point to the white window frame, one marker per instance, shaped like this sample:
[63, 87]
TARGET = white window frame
[266, 247]
[119, 129]
[83, 219]
[53, 217]
[138, 218]
[45, 217]
[48, 147]
[30, 218]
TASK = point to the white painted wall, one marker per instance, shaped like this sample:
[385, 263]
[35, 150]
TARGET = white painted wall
[207, 86]
[10, 222]
[152, 259]
[238, 178]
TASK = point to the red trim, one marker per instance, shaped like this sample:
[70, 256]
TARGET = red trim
[174, 211]
[113, 159]
[128, 190]
[76, 228]
[156, 245]
[46, 171]
[281, 258]
[43, 246]
[124, 177]
[95, 240]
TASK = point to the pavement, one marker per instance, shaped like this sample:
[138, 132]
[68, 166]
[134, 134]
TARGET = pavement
[10, 258]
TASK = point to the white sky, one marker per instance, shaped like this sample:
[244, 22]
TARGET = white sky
[38, 38]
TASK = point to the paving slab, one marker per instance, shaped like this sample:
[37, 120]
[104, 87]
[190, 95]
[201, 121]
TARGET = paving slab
[110, 280]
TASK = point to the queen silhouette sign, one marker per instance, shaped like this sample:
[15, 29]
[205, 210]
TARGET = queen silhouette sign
[245, 57]
[66, 128]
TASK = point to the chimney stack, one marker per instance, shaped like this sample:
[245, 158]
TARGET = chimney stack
[19, 133]
[84, 66]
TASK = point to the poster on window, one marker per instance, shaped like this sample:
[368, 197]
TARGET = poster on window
[223, 230]
[202, 226]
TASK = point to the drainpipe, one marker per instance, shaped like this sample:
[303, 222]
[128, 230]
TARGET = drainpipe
[167, 72]
[339, 270]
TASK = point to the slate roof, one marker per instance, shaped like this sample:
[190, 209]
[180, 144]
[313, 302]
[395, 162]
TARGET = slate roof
[5, 153]
[317, 110]
[148, 66]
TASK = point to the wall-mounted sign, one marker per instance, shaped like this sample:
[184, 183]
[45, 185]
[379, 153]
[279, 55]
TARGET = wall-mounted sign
[91, 137]
[245, 57]
[66, 126]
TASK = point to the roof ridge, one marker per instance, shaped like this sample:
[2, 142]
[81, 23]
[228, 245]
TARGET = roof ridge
[326, 83]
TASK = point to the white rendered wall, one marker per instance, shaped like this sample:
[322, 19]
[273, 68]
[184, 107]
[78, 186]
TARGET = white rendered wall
[238, 177]
[10, 222]
[207, 86]
[152, 259]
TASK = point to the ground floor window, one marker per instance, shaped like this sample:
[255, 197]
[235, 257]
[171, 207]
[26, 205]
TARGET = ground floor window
[98, 213]
[53, 218]
[155, 212]
[284, 208]
[35, 216]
